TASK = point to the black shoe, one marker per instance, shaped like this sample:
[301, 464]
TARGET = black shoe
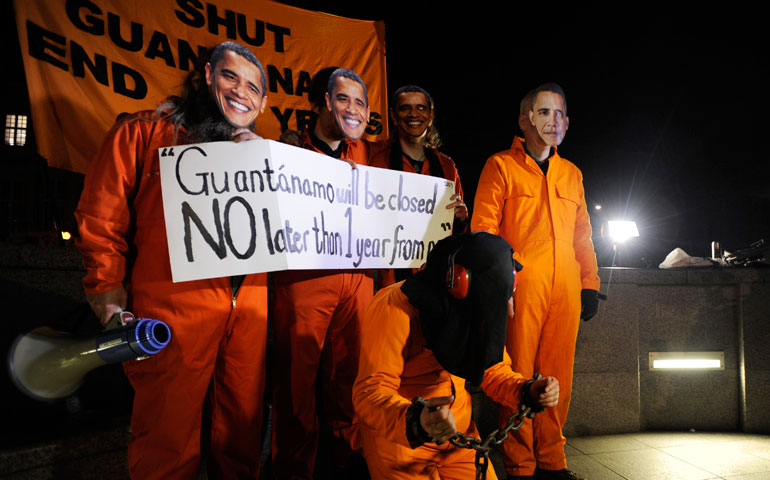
[564, 474]
[520, 477]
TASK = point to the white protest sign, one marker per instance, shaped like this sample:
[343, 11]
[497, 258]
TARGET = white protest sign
[260, 206]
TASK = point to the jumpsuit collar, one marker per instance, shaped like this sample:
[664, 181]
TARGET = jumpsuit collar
[324, 147]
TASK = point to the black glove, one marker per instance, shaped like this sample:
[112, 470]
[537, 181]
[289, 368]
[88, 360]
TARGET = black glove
[589, 300]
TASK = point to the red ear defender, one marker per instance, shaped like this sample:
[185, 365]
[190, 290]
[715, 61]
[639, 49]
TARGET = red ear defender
[458, 278]
[517, 267]
[515, 279]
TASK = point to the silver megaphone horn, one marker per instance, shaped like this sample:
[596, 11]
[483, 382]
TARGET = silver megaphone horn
[47, 364]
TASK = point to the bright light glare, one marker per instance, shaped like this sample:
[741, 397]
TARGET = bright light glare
[685, 363]
[66, 235]
[622, 230]
[687, 360]
[598, 207]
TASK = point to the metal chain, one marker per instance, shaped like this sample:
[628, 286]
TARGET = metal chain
[496, 437]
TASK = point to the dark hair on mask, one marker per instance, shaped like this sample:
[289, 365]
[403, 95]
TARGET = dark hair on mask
[432, 137]
[319, 86]
[346, 73]
[525, 106]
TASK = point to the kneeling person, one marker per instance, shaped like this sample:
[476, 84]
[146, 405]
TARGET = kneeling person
[424, 337]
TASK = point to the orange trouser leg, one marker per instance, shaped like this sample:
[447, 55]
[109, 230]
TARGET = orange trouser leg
[166, 417]
[556, 357]
[313, 308]
[522, 342]
[391, 461]
[236, 395]
[339, 362]
[541, 339]
[171, 386]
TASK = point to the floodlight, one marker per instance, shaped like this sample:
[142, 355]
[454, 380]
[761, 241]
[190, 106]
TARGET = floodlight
[622, 230]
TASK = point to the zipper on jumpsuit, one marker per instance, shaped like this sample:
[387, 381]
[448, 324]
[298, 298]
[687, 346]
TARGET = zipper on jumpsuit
[235, 286]
[550, 212]
[234, 294]
[550, 222]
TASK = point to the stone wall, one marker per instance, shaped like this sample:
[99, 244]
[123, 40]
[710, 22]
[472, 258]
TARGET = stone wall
[715, 309]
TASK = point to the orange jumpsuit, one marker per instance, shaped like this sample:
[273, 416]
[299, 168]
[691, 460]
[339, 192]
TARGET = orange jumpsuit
[449, 171]
[218, 341]
[395, 367]
[546, 222]
[317, 326]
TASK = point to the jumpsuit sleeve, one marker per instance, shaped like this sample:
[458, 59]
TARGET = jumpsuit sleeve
[502, 384]
[464, 226]
[584, 247]
[384, 333]
[490, 197]
[458, 185]
[103, 213]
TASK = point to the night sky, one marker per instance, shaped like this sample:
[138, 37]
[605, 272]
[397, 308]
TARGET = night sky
[666, 107]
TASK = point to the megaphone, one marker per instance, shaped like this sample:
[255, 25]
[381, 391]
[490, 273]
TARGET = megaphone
[46, 364]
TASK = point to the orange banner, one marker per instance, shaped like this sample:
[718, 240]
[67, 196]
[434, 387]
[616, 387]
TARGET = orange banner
[86, 61]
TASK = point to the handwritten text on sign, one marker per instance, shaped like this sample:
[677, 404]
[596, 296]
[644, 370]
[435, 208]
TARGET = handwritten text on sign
[260, 206]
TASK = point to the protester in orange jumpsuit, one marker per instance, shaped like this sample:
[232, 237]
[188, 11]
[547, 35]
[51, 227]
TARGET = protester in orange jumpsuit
[419, 340]
[219, 325]
[544, 217]
[414, 150]
[317, 312]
